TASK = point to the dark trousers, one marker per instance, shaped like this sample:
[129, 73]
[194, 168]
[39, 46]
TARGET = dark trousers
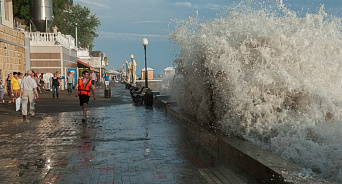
[55, 91]
[69, 88]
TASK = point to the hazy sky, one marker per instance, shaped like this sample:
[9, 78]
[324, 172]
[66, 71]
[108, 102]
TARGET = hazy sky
[124, 23]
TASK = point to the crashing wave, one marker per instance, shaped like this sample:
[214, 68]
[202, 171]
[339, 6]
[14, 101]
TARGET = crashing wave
[268, 76]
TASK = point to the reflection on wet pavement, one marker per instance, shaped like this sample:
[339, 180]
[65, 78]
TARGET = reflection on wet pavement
[120, 143]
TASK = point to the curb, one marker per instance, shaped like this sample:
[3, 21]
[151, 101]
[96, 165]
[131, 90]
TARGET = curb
[263, 164]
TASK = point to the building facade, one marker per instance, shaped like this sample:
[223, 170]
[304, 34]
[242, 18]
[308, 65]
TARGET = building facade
[12, 43]
[150, 73]
[51, 53]
[6, 13]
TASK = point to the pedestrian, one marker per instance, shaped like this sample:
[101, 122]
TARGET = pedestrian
[55, 83]
[20, 76]
[70, 82]
[55, 29]
[98, 84]
[47, 78]
[15, 88]
[2, 92]
[8, 87]
[93, 78]
[84, 86]
[106, 79]
[41, 83]
[34, 73]
[58, 74]
[35, 77]
[28, 86]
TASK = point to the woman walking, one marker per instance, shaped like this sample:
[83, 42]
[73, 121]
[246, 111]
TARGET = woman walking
[55, 83]
[8, 87]
[41, 83]
[2, 92]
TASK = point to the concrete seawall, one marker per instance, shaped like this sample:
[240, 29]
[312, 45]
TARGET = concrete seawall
[266, 166]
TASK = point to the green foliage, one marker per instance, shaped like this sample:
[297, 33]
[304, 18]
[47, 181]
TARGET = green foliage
[21, 10]
[87, 25]
[58, 10]
[65, 17]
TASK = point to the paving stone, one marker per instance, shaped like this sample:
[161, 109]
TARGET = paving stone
[121, 143]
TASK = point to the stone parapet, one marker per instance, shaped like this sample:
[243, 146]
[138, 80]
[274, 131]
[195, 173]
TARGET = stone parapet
[264, 165]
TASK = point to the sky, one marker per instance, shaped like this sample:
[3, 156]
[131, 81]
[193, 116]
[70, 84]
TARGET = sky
[124, 23]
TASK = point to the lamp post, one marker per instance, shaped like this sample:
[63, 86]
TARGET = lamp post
[132, 57]
[122, 72]
[101, 67]
[144, 43]
[126, 70]
[76, 33]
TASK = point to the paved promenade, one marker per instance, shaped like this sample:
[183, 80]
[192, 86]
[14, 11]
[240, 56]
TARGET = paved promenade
[119, 143]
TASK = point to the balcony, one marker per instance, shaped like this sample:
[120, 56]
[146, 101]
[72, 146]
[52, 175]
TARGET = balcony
[51, 39]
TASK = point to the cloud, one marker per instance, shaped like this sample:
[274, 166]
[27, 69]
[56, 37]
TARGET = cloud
[186, 4]
[92, 3]
[148, 22]
[208, 6]
[211, 6]
[129, 36]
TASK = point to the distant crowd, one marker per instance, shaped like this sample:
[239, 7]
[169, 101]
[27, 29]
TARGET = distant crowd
[23, 89]
[12, 85]
[45, 82]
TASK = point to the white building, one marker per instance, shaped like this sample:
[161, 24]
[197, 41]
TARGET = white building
[50, 53]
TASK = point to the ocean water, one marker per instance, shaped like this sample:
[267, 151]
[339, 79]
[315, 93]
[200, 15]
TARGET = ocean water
[267, 75]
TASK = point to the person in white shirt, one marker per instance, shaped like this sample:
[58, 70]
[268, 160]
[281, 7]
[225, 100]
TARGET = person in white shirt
[55, 29]
[28, 86]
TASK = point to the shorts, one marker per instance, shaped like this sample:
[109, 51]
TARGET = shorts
[16, 93]
[83, 99]
[93, 82]
[107, 83]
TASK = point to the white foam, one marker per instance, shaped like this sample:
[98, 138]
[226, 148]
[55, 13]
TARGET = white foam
[270, 77]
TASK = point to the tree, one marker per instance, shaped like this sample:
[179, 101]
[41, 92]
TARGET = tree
[65, 17]
[60, 11]
[87, 25]
[21, 10]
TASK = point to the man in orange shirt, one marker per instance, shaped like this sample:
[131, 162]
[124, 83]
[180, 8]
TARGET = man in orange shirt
[84, 87]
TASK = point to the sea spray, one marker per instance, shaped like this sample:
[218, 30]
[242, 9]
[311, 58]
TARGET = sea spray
[268, 76]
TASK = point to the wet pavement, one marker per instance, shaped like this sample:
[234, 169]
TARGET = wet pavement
[121, 143]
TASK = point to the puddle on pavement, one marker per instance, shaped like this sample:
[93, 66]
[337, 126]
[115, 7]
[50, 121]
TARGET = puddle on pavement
[122, 139]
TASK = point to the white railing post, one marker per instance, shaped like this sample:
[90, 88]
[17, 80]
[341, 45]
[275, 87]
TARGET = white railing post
[51, 39]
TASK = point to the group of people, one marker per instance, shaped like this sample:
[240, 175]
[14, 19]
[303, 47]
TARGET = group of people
[12, 84]
[20, 85]
[29, 85]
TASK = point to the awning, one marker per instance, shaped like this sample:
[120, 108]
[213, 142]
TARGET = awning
[81, 64]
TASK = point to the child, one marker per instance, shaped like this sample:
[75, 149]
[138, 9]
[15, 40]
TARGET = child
[2, 92]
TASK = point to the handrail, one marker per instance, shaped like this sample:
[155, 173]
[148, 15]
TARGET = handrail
[51, 39]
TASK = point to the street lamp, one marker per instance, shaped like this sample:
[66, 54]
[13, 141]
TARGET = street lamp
[144, 43]
[122, 72]
[126, 70]
[132, 57]
[76, 33]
